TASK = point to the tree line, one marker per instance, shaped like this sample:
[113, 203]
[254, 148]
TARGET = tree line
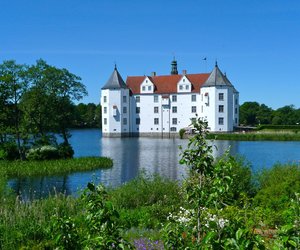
[37, 101]
[254, 114]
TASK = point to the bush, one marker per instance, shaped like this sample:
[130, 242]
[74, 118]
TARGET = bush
[9, 151]
[181, 133]
[43, 153]
[276, 188]
[65, 151]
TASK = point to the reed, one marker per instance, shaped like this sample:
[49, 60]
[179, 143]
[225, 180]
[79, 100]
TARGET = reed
[52, 167]
[26, 225]
[255, 136]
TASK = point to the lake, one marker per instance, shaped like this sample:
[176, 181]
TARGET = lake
[151, 155]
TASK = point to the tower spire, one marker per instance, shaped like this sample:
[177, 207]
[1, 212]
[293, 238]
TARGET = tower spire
[174, 70]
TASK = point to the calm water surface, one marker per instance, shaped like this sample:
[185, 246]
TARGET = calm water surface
[152, 155]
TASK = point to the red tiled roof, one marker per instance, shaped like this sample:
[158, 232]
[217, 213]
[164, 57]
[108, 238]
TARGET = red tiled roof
[166, 84]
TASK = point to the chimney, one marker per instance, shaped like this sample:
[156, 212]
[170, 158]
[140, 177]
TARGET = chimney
[153, 73]
[184, 72]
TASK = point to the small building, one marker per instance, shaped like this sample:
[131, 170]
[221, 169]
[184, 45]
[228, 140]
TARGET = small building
[161, 105]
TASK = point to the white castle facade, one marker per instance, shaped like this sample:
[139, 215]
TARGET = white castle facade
[162, 105]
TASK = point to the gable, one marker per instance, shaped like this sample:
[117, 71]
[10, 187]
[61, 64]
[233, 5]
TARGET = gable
[166, 84]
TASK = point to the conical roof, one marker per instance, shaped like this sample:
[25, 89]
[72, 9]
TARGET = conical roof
[217, 78]
[115, 81]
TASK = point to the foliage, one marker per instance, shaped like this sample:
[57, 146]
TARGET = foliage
[256, 136]
[253, 114]
[9, 151]
[209, 191]
[276, 188]
[103, 229]
[181, 133]
[87, 116]
[289, 234]
[65, 151]
[146, 201]
[55, 167]
[36, 100]
[42, 153]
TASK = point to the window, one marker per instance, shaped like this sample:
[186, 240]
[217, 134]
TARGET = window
[221, 121]
[194, 109]
[173, 129]
[236, 101]
[105, 121]
[180, 87]
[137, 110]
[221, 108]
[235, 120]
[124, 99]
[174, 121]
[174, 109]
[187, 87]
[174, 98]
[149, 88]
[221, 96]
[201, 108]
[124, 110]
[155, 109]
[155, 98]
[105, 110]
[183, 80]
[235, 110]
[138, 121]
[104, 98]
[137, 98]
[194, 98]
[156, 121]
[124, 121]
[143, 88]
[201, 97]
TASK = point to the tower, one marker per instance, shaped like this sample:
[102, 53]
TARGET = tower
[218, 101]
[174, 67]
[115, 106]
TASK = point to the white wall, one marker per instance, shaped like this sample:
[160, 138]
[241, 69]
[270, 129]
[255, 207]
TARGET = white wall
[115, 123]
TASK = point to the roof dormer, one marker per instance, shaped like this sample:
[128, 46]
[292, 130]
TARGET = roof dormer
[147, 86]
[184, 85]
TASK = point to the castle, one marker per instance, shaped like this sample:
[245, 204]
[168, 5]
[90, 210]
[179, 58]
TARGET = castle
[162, 105]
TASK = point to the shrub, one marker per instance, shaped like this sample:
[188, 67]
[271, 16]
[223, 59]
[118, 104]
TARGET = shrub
[181, 133]
[276, 187]
[65, 151]
[43, 153]
[9, 151]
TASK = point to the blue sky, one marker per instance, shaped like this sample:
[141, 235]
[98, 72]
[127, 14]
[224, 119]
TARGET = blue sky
[256, 42]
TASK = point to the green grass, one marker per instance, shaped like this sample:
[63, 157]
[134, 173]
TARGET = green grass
[26, 224]
[256, 136]
[144, 204]
[52, 167]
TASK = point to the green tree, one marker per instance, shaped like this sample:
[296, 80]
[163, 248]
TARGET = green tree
[14, 85]
[58, 88]
[248, 113]
[286, 115]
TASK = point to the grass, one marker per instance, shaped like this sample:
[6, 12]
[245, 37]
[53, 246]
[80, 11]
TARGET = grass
[52, 167]
[256, 136]
[26, 224]
[143, 204]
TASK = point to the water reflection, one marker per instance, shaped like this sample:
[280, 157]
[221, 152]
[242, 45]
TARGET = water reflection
[152, 155]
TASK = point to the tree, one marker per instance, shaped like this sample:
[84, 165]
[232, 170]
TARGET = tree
[14, 84]
[248, 113]
[57, 88]
[286, 115]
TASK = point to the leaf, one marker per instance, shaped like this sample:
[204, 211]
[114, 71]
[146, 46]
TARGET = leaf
[293, 243]
[91, 187]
